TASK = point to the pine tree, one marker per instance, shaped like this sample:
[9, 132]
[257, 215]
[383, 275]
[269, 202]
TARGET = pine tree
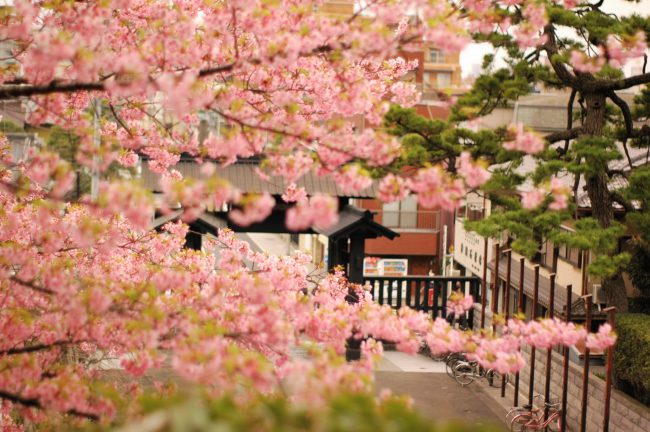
[601, 127]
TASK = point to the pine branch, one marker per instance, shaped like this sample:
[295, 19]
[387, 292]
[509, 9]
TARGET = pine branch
[563, 135]
[569, 118]
[623, 84]
[629, 125]
[560, 68]
[617, 197]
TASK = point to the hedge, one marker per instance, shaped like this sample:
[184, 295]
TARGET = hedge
[632, 355]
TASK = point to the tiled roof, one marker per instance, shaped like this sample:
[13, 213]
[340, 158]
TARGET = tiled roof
[243, 177]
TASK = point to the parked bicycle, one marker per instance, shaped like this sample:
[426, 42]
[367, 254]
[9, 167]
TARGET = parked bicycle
[466, 373]
[451, 361]
[514, 411]
[533, 419]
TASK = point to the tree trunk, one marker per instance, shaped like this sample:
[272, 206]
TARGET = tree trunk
[599, 196]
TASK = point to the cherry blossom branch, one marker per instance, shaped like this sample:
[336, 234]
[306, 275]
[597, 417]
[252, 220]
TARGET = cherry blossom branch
[37, 347]
[32, 285]
[35, 403]
[14, 91]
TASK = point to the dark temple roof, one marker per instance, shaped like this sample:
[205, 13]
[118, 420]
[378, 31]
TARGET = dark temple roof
[352, 219]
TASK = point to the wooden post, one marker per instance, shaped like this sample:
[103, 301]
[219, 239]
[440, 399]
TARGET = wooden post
[506, 307]
[520, 310]
[584, 274]
[531, 388]
[549, 351]
[495, 286]
[484, 282]
[611, 318]
[565, 371]
[585, 371]
[357, 252]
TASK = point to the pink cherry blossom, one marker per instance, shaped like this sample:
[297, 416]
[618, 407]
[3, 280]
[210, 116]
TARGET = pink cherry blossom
[582, 63]
[289, 89]
[352, 179]
[604, 338]
[393, 188]
[532, 199]
[473, 174]
[524, 141]
[320, 211]
[294, 194]
[253, 209]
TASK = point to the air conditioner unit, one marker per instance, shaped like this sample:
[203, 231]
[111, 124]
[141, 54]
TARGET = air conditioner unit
[598, 294]
[455, 273]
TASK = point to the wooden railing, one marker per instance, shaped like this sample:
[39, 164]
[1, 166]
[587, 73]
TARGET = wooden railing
[424, 293]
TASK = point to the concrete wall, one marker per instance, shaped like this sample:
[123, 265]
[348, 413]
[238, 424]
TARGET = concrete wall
[626, 414]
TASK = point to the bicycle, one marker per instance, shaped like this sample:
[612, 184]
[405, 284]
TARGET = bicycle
[533, 420]
[514, 411]
[451, 361]
[466, 372]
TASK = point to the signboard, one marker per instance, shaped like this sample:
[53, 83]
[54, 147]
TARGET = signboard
[374, 266]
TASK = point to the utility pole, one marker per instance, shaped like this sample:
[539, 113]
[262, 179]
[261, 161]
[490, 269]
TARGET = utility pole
[444, 251]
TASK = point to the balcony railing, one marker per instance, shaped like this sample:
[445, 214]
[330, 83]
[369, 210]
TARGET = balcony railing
[404, 221]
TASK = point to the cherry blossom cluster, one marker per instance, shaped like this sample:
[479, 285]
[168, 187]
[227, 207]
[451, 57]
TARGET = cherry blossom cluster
[97, 285]
[458, 303]
[616, 52]
[558, 191]
[87, 285]
[523, 140]
[473, 174]
[319, 211]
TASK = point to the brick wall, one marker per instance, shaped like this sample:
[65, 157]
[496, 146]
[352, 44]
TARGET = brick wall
[626, 414]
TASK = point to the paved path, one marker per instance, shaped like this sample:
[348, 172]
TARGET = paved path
[434, 394]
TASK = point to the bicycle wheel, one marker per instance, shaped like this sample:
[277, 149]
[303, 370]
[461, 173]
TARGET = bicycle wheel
[522, 422]
[555, 425]
[515, 411]
[450, 364]
[464, 374]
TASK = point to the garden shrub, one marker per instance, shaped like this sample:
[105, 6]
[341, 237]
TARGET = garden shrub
[632, 355]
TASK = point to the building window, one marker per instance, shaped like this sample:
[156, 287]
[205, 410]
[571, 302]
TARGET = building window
[410, 77]
[474, 212]
[572, 255]
[401, 214]
[546, 254]
[426, 79]
[436, 56]
[443, 79]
